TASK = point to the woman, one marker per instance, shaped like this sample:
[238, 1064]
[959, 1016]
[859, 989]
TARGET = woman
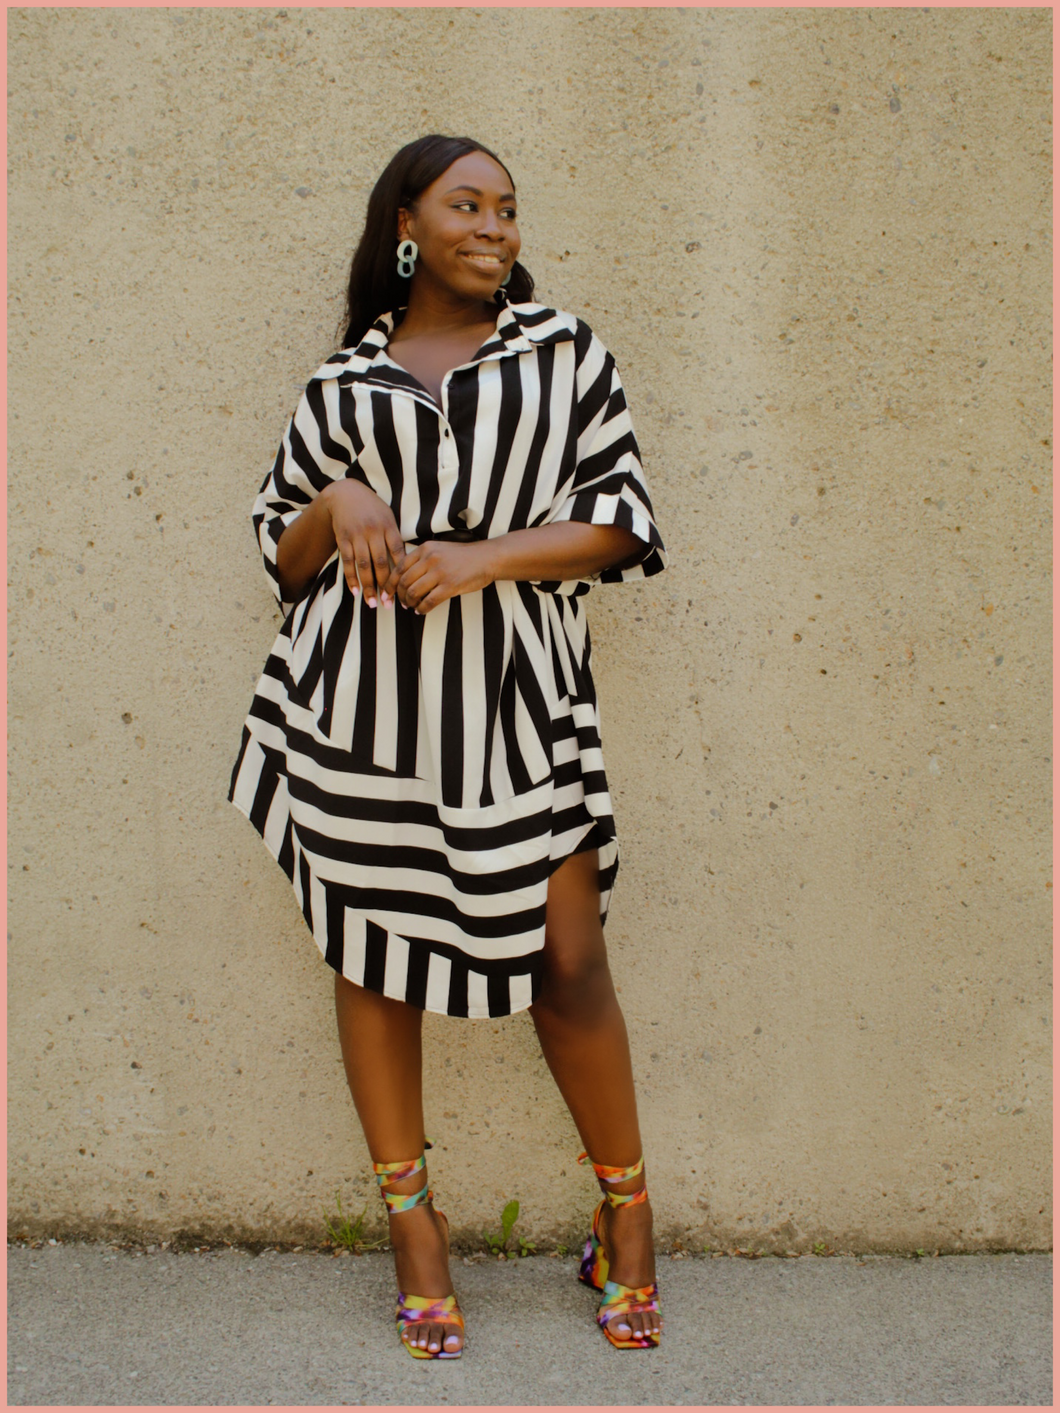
[422, 755]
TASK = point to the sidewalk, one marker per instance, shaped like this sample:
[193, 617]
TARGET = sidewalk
[92, 1325]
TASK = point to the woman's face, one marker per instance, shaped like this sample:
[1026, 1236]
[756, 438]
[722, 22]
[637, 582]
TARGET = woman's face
[465, 226]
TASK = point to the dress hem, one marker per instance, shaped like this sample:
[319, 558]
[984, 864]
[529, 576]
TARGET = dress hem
[473, 1012]
[593, 837]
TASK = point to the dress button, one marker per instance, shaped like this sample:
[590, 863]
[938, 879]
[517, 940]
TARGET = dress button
[446, 431]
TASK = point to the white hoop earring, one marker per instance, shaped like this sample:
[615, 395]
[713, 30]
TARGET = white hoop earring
[407, 252]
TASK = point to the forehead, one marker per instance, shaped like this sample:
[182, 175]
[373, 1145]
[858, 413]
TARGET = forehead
[475, 169]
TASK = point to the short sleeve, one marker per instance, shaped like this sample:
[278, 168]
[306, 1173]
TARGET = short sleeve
[608, 486]
[314, 452]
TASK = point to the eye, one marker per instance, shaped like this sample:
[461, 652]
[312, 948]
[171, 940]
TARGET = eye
[458, 205]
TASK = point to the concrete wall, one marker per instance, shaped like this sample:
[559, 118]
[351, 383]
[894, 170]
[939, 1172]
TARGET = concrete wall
[818, 243]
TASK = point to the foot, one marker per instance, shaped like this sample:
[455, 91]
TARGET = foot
[626, 1233]
[420, 1240]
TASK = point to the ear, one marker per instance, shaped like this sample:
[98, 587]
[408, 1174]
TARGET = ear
[404, 216]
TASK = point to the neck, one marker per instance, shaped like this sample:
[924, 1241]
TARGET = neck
[433, 310]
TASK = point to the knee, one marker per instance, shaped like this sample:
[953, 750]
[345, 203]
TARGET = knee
[575, 983]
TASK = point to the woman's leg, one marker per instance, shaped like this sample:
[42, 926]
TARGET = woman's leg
[583, 1037]
[382, 1051]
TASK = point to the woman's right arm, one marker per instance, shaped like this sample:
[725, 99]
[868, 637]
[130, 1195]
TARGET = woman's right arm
[349, 516]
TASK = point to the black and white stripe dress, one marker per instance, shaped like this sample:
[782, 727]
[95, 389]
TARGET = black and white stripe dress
[418, 777]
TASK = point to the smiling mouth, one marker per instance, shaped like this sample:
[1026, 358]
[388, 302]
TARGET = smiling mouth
[487, 263]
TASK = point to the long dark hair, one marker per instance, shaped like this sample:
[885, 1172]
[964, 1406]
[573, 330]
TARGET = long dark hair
[375, 285]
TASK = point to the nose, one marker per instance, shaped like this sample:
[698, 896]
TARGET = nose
[489, 225]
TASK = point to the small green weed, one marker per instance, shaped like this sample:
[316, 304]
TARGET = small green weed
[346, 1231]
[562, 1250]
[498, 1245]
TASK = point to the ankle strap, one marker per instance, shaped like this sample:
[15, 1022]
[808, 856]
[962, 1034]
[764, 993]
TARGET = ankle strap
[395, 1172]
[607, 1174]
[399, 1202]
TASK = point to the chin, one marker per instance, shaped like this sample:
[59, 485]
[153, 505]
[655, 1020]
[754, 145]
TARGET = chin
[476, 284]
[477, 289]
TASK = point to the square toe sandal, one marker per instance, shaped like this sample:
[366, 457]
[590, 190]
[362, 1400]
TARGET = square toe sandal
[419, 1309]
[617, 1299]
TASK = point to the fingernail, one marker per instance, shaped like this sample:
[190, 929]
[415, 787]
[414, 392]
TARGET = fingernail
[371, 603]
[388, 602]
[354, 589]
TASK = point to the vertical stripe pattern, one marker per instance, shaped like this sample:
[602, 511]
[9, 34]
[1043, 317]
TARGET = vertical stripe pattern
[419, 778]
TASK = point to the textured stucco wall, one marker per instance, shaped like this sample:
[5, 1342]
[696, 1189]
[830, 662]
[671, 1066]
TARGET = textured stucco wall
[818, 243]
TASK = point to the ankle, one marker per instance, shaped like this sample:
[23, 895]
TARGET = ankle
[629, 1178]
[405, 1186]
[413, 1224]
[627, 1186]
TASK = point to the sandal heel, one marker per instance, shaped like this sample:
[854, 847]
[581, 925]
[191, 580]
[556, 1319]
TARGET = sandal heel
[594, 1266]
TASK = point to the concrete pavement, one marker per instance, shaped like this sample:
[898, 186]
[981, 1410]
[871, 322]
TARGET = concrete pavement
[90, 1324]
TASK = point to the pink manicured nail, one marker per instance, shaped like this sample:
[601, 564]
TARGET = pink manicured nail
[388, 602]
[371, 603]
[354, 590]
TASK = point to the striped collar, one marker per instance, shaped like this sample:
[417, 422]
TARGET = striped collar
[519, 328]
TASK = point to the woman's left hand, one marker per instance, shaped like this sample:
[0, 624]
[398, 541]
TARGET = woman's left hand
[437, 570]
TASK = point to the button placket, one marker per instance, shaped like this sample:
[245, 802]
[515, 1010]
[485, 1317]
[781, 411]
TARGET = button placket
[448, 459]
[447, 454]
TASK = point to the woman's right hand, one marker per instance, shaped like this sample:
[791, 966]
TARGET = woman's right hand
[368, 540]
[349, 516]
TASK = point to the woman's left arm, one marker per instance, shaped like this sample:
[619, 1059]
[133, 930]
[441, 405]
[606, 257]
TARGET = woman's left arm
[439, 569]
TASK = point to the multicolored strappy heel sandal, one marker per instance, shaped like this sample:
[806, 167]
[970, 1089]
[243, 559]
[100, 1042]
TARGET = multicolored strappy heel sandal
[618, 1299]
[418, 1309]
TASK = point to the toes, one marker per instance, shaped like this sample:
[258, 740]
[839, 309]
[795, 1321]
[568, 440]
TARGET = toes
[645, 1325]
[636, 1326]
[452, 1341]
[433, 1337]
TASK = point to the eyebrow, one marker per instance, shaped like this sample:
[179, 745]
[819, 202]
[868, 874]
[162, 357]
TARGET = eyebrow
[508, 195]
